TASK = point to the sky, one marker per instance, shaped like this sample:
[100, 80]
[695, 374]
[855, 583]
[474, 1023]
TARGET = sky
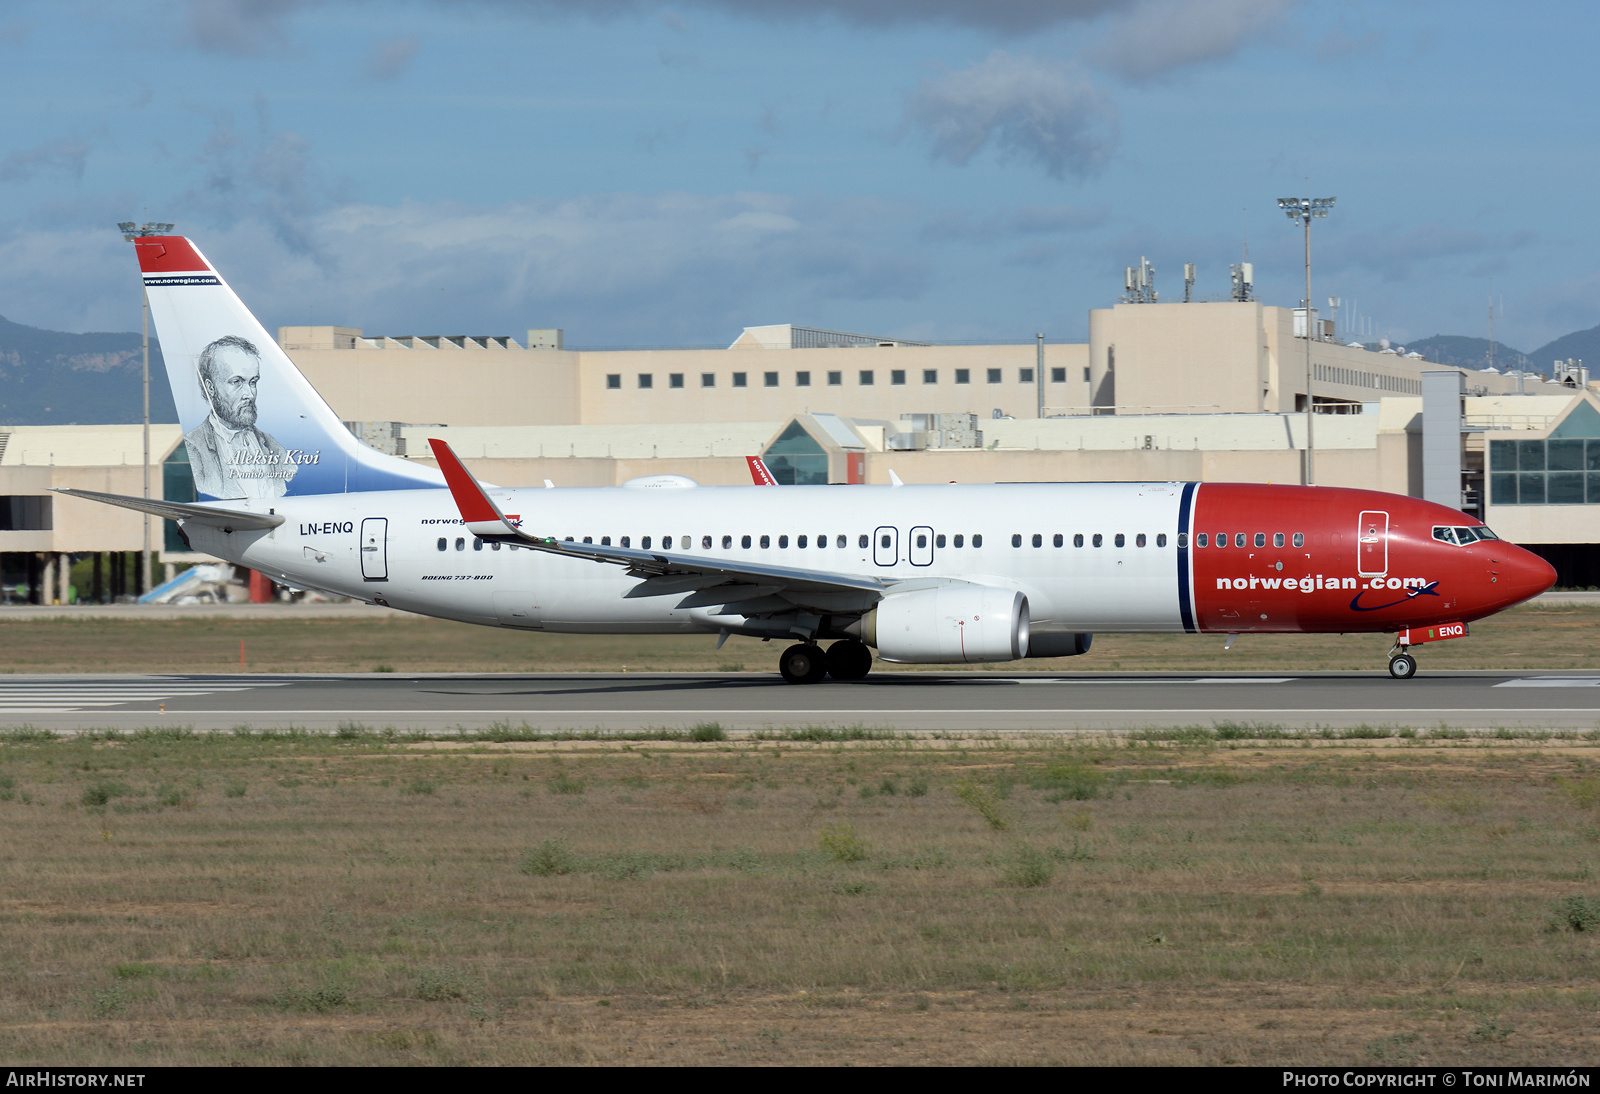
[644, 173]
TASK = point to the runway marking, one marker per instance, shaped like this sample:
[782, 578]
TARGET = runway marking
[1553, 682]
[66, 697]
[1199, 680]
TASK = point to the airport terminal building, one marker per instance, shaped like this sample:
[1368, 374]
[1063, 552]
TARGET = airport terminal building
[1212, 391]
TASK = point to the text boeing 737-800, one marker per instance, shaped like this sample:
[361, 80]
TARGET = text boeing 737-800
[924, 574]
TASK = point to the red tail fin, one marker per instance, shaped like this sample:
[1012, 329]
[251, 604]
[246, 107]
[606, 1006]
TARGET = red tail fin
[759, 472]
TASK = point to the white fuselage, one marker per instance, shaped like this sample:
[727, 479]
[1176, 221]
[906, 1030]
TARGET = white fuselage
[385, 547]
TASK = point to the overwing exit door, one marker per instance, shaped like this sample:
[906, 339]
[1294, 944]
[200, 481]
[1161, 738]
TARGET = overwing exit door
[886, 546]
[920, 545]
[1372, 538]
[375, 549]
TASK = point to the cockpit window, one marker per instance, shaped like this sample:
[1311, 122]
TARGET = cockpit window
[1446, 535]
[1462, 537]
[1484, 533]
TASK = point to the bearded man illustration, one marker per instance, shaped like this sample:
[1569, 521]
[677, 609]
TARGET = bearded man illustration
[229, 456]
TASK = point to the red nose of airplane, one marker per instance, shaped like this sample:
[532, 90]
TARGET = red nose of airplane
[1525, 574]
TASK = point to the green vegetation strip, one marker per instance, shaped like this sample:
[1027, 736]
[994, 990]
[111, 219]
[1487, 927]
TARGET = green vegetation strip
[1227, 894]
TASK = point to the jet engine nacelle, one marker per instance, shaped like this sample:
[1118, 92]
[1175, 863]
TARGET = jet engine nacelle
[948, 623]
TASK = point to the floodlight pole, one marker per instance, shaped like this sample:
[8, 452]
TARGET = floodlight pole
[131, 232]
[1304, 209]
[1038, 373]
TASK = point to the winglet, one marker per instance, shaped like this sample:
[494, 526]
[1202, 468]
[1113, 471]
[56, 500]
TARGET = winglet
[759, 472]
[478, 512]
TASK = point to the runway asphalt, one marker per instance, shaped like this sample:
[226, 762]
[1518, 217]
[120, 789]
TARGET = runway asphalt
[905, 701]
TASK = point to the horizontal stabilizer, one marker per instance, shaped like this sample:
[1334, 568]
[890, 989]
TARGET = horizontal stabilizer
[226, 519]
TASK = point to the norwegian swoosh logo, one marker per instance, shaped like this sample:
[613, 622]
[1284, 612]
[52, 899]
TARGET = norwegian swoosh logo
[1430, 589]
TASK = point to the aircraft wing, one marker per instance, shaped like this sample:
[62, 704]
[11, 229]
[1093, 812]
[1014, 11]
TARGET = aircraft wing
[709, 581]
[226, 519]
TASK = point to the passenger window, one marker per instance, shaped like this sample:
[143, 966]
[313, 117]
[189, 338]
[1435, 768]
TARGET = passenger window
[1277, 539]
[1098, 539]
[443, 543]
[1138, 540]
[1238, 539]
[477, 544]
[922, 541]
[822, 541]
[1261, 539]
[1299, 539]
[588, 539]
[1077, 539]
[495, 546]
[862, 543]
[783, 541]
[1016, 540]
[800, 541]
[938, 540]
[627, 541]
[727, 543]
[977, 539]
[744, 541]
[1038, 540]
[1058, 539]
[705, 543]
[605, 541]
[461, 543]
[841, 543]
[645, 543]
[1200, 539]
[1122, 540]
[959, 539]
[685, 543]
[766, 542]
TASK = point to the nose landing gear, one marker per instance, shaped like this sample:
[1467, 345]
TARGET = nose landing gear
[1402, 666]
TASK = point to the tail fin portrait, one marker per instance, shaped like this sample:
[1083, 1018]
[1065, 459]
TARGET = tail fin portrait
[253, 425]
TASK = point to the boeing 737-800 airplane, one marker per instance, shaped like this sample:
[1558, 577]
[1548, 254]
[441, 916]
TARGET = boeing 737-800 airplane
[924, 574]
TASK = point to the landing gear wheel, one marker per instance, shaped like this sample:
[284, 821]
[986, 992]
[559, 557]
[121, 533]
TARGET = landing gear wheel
[1402, 666]
[849, 660]
[803, 664]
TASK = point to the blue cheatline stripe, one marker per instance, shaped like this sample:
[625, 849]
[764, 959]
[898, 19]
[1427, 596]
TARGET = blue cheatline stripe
[1185, 608]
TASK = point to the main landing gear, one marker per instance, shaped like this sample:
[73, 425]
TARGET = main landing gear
[806, 663]
[1402, 666]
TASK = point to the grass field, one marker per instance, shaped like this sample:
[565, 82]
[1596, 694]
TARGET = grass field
[1555, 636]
[1178, 898]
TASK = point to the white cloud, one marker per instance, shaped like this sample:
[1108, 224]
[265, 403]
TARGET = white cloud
[1157, 37]
[666, 268]
[1028, 107]
[241, 27]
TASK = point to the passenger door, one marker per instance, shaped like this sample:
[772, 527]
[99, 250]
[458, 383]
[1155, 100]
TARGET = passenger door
[375, 549]
[886, 546]
[1373, 539]
[921, 546]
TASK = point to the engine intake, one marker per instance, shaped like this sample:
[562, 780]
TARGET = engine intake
[948, 623]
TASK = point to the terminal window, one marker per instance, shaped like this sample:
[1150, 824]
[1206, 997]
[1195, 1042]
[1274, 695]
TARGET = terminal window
[1058, 376]
[613, 380]
[741, 379]
[930, 376]
[994, 376]
[866, 377]
[770, 379]
[25, 514]
[897, 376]
[963, 376]
[835, 379]
[675, 379]
[802, 379]
[708, 379]
[1025, 375]
[1558, 471]
[646, 380]
[1086, 374]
